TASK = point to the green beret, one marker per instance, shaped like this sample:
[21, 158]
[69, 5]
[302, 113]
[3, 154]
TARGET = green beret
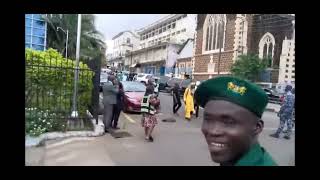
[235, 90]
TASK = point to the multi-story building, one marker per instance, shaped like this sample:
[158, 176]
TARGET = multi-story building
[287, 64]
[124, 42]
[221, 38]
[160, 42]
[35, 32]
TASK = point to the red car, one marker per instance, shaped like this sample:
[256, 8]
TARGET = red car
[133, 94]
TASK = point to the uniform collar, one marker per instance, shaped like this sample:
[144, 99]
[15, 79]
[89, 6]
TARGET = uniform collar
[252, 156]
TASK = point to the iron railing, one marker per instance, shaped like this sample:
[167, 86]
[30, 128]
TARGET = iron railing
[49, 88]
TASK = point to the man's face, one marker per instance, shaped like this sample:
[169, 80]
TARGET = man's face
[229, 130]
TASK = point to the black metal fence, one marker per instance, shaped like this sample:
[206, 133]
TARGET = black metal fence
[49, 87]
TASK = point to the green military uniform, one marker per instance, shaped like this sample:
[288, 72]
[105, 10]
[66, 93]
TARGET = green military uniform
[256, 156]
[245, 94]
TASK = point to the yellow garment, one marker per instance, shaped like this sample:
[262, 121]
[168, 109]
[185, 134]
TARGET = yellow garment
[188, 99]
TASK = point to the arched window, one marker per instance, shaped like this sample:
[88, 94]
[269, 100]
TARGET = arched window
[266, 46]
[214, 32]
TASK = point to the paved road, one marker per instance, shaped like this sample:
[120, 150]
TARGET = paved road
[177, 143]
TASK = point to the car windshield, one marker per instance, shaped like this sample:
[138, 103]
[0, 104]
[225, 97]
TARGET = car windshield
[129, 86]
[140, 75]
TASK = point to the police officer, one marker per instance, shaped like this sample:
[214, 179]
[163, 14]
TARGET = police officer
[285, 114]
[232, 121]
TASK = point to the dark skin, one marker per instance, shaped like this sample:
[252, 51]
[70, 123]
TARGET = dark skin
[229, 130]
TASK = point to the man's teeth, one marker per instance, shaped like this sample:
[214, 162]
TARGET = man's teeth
[217, 144]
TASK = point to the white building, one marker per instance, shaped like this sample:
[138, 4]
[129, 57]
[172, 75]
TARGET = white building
[160, 42]
[124, 42]
[175, 28]
[287, 64]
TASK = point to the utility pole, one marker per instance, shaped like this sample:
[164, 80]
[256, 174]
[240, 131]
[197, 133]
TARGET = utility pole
[76, 73]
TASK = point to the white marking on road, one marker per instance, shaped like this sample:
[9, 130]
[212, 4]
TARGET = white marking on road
[129, 118]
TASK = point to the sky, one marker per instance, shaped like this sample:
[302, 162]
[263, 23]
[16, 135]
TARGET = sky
[112, 24]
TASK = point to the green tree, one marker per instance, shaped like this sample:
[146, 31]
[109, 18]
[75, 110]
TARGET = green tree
[249, 67]
[91, 41]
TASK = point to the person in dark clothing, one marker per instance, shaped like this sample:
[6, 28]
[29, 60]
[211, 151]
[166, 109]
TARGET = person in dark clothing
[176, 98]
[118, 107]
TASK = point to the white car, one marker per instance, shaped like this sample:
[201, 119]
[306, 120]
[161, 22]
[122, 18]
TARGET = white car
[143, 78]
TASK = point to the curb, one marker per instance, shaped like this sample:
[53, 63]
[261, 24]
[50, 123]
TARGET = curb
[36, 141]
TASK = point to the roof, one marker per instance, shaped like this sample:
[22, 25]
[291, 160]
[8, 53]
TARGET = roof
[184, 44]
[159, 22]
[119, 34]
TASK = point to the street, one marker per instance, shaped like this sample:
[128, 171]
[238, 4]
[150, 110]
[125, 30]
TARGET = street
[179, 143]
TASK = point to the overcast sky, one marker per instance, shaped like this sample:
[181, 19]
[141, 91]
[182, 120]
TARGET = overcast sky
[111, 24]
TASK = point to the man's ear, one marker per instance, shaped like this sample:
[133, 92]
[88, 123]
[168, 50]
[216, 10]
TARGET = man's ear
[258, 127]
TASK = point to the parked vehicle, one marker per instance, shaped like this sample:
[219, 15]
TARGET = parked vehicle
[143, 78]
[133, 94]
[103, 80]
[163, 82]
[273, 96]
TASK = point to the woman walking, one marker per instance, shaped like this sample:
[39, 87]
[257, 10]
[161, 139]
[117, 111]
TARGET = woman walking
[148, 104]
[188, 101]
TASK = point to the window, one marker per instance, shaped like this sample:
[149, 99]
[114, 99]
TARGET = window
[38, 24]
[160, 30]
[28, 39]
[164, 29]
[286, 76]
[38, 40]
[128, 40]
[173, 34]
[178, 32]
[293, 76]
[293, 71]
[287, 60]
[183, 30]
[37, 16]
[28, 15]
[214, 32]
[152, 34]
[293, 65]
[173, 25]
[169, 26]
[287, 65]
[266, 46]
[28, 30]
[38, 32]
[286, 70]
[37, 47]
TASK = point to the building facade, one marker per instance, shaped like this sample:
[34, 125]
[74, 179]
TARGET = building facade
[124, 42]
[175, 28]
[216, 43]
[35, 32]
[154, 59]
[184, 64]
[160, 42]
[268, 37]
[229, 35]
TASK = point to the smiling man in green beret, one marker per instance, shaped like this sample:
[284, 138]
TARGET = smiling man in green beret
[232, 121]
